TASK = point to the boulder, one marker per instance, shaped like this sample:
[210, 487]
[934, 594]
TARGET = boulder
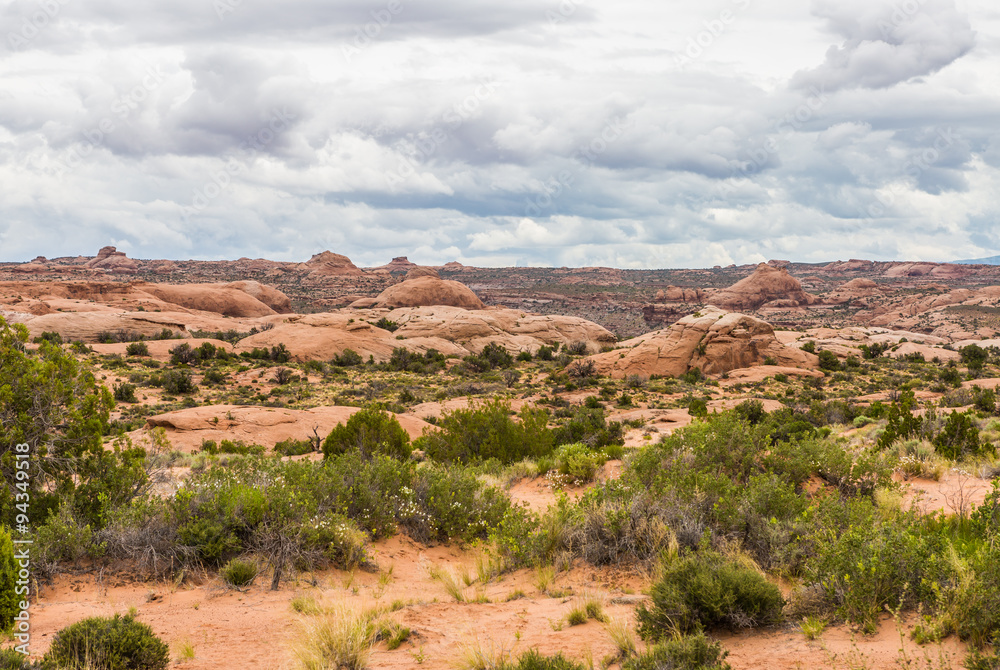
[217, 298]
[112, 260]
[763, 286]
[329, 264]
[268, 295]
[426, 290]
[711, 340]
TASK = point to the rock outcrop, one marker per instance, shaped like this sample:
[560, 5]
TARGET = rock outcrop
[711, 340]
[112, 260]
[679, 294]
[217, 298]
[425, 289]
[766, 284]
[268, 295]
[329, 264]
[450, 330]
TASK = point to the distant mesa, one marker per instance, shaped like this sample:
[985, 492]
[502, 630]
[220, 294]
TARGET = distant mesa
[398, 264]
[989, 260]
[711, 340]
[329, 264]
[852, 265]
[110, 259]
[424, 288]
[765, 285]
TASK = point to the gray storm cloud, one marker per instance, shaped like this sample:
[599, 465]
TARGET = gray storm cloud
[887, 43]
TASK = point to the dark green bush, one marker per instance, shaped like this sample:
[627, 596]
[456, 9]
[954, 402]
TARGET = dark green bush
[865, 564]
[544, 353]
[49, 336]
[8, 579]
[686, 652]
[974, 357]
[239, 572]
[293, 447]
[589, 426]
[704, 590]
[492, 357]
[137, 349]
[901, 424]
[369, 431]
[125, 392]
[386, 324]
[828, 360]
[959, 437]
[11, 659]
[108, 643]
[347, 358]
[485, 431]
[534, 660]
[177, 382]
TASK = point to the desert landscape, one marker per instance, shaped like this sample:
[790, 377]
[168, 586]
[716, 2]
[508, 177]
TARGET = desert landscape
[317, 465]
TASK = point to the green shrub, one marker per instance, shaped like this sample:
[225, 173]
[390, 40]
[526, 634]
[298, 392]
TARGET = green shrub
[293, 447]
[974, 357]
[369, 431]
[62, 537]
[177, 382]
[485, 431]
[125, 392]
[685, 652]
[578, 462]
[11, 659]
[524, 357]
[108, 643]
[534, 660]
[959, 437]
[386, 324]
[137, 349]
[49, 336]
[9, 601]
[901, 424]
[828, 360]
[865, 564]
[704, 590]
[347, 358]
[544, 353]
[589, 426]
[492, 357]
[239, 572]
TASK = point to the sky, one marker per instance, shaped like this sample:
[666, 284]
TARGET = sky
[622, 133]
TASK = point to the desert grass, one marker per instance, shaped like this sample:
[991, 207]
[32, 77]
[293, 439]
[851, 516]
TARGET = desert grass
[341, 637]
[478, 654]
[620, 632]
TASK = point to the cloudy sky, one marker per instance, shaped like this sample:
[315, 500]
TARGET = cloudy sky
[623, 133]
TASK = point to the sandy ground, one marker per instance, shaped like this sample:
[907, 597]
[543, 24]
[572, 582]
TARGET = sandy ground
[258, 628]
